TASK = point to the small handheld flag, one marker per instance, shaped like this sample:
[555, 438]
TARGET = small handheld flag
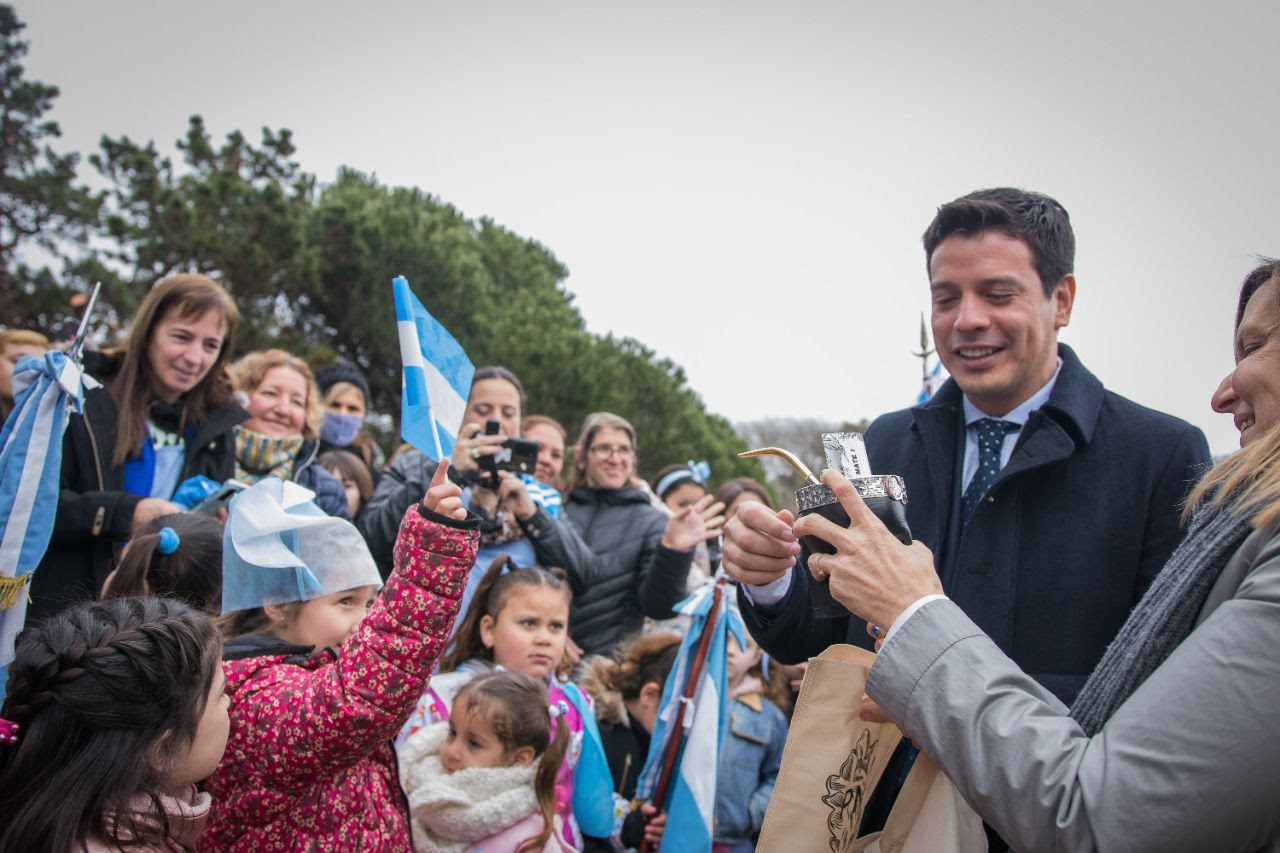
[46, 389]
[437, 376]
[679, 775]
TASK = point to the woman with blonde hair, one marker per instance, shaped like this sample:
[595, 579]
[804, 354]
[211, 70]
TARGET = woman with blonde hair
[280, 438]
[162, 415]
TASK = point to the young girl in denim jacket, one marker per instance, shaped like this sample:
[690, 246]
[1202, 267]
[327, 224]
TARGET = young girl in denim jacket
[750, 755]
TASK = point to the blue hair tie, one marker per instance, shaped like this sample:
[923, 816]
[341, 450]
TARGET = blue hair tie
[168, 540]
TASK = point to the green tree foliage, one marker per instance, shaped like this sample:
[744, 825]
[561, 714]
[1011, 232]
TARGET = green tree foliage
[40, 203]
[236, 212]
[502, 296]
[310, 268]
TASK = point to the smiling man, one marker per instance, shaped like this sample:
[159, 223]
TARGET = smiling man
[1049, 502]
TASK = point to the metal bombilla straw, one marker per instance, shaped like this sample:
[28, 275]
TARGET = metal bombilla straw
[793, 460]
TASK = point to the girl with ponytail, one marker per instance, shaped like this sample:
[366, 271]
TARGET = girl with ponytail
[486, 779]
[518, 621]
[177, 555]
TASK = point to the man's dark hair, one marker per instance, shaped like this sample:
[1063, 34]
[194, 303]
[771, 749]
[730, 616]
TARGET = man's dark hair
[1034, 218]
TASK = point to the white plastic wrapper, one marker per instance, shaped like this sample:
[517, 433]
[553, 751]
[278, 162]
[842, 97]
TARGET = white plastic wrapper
[847, 453]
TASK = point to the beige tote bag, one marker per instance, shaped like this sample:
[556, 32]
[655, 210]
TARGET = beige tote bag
[929, 816]
[832, 760]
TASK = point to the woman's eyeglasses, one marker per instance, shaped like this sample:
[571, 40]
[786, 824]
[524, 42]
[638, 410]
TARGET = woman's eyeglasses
[604, 451]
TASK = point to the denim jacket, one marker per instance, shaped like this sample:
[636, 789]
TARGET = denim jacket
[749, 762]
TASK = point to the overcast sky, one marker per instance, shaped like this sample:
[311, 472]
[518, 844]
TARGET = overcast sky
[742, 186]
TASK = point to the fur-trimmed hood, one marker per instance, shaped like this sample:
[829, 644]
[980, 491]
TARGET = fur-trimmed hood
[594, 678]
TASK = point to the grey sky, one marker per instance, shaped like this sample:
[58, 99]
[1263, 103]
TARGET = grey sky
[742, 186]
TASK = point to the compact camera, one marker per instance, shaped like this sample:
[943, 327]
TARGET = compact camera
[515, 454]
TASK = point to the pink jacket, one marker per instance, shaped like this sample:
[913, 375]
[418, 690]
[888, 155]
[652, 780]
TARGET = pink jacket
[186, 817]
[510, 839]
[309, 763]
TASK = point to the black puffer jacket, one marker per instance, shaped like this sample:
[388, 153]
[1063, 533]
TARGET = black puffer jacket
[95, 513]
[629, 574]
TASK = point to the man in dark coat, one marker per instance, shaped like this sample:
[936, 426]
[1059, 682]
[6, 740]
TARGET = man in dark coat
[1049, 502]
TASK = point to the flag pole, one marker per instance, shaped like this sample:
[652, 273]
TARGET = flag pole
[690, 688]
[77, 343]
[925, 350]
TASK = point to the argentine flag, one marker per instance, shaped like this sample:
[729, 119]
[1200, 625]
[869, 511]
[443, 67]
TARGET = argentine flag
[30, 471]
[932, 382]
[437, 376]
[690, 800]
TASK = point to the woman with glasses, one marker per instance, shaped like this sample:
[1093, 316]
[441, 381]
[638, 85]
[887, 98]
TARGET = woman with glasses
[640, 556]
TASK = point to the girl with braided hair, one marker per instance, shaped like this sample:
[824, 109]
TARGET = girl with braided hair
[119, 711]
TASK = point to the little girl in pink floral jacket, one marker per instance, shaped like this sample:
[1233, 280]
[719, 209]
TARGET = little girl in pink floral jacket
[309, 764]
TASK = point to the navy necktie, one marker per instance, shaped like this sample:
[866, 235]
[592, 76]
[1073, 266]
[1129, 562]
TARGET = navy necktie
[991, 433]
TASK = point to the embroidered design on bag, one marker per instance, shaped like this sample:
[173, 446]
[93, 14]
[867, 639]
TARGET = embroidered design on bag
[846, 792]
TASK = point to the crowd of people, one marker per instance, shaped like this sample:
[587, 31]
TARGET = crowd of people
[256, 628]
[419, 653]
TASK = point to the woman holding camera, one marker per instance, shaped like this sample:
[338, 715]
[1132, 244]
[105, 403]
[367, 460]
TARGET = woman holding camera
[519, 518]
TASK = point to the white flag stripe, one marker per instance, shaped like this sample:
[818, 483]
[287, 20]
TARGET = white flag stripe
[447, 406]
[701, 758]
[12, 622]
[24, 500]
[410, 349]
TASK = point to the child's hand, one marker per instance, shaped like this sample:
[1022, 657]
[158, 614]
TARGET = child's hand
[654, 826]
[443, 496]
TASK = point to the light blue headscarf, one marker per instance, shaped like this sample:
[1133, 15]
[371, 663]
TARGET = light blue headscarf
[278, 546]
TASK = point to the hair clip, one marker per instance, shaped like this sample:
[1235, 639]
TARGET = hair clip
[9, 731]
[701, 471]
[169, 540]
[559, 709]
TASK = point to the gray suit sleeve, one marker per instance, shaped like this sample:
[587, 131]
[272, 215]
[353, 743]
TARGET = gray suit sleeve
[1190, 762]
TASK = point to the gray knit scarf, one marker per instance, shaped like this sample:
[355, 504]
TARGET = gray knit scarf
[1165, 615]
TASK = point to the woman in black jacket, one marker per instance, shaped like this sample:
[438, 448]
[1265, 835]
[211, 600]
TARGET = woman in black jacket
[640, 556]
[162, 414]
